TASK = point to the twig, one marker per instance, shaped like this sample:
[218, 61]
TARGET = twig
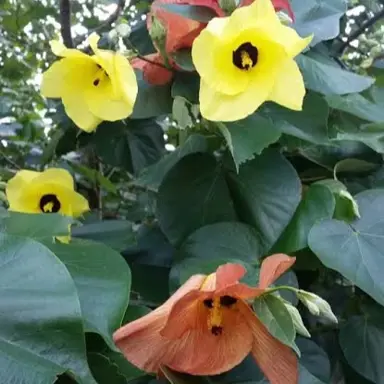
[9, 160]
[353, 36]
[65, 23]
[107, 23]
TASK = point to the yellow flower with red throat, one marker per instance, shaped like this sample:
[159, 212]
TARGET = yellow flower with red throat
[208, 327]
[246, 59]
[92, 88]
[51, 191]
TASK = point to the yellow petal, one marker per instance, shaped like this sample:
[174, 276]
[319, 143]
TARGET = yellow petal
[77, 109]
[79, 204]
[59, 176]
[289, 39]
[125, 78]
[101, 102]
[103, 57]
[16, 187]
[216, 106]
[259, 14]
[215, 65]
[58, 77]
[59, 49]
[289, 90]
[64, 239]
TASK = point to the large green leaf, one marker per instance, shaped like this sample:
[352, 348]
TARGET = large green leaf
[193, 194]
[355, 250]
[103, 281]
[357, 105]
[321, 18]
[41, 331]
[328, 79]
[266, 193]
[36, 226]
[318, 203]
[152, 176]
[132, 146]
[248, 137]
[310, 124]
[117, 234]
[362, 341]
[224, 240]
[275, 316]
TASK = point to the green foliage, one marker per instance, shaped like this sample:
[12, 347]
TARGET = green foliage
[172, 195]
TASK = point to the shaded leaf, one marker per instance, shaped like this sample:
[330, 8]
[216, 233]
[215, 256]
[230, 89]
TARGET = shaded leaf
[266, 193]
[193, 194]
[328, 79]
[319, 18]
[117, 234]
[318, 203]
[248, 137]
[230, 240]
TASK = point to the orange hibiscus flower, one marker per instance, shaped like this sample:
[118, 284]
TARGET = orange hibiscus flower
[180, 33]
[208, 327]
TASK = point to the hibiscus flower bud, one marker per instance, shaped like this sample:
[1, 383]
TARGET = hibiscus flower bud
[157, 32]
[228, 6]
[124, 30]
[316, 305]
[297, 320]
[284, 18]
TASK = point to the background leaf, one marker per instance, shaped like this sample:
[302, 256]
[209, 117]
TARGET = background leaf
[193, 194]
[266, 193]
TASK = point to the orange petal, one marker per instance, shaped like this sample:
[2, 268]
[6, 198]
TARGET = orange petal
[229, 274]
[227, 282]
[273, 267]
[203, 353]
[153, 72]
[187, 313]
[241, 291]
[277, 361]
[141, 342]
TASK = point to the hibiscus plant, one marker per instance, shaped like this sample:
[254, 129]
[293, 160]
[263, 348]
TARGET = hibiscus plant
[192, 192]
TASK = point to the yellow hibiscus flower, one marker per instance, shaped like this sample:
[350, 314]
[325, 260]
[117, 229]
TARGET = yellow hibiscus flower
[93, 88]
[51, 191]
[246, 59]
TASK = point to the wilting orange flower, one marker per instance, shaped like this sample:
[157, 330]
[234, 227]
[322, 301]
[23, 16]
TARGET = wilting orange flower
[180, 33]
[207, 327]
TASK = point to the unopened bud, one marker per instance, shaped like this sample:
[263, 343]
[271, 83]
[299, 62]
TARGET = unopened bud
[124, 30]
[297, 320]
[284, 18]
[316, 305]
[228, 6]
[112, 35]
[157, 31]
